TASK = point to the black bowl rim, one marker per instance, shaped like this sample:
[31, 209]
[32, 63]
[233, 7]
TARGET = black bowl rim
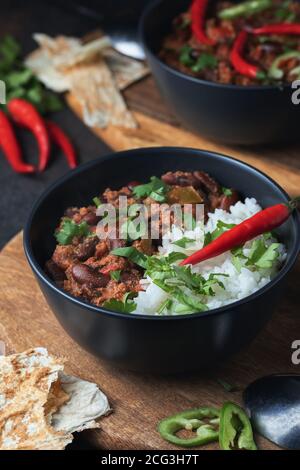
[229, 86]
[135, 316]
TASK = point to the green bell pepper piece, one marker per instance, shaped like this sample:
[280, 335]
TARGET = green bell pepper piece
[203, 421]
[275, 70]
[247, 8]
[235, 429]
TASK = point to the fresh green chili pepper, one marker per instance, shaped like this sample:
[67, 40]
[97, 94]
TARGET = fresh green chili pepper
[275, 70]
[235, 429]
[203, 421]
[247, 8]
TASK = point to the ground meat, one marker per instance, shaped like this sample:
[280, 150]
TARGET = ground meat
[85, 267]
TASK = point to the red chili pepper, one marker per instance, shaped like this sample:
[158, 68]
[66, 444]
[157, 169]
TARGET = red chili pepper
[10, 146]
[279, 28]
[63, 142]
[236, 57]
[262, 222]
[198, 10]
[25, 114]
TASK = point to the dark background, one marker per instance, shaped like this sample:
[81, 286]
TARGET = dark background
[18, 192]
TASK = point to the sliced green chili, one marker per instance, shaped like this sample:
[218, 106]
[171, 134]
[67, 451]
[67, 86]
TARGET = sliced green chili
[235, 429]
[203, 422]
[275, 71]
[244, 9]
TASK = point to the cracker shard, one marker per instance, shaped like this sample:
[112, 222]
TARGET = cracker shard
[94, 73]
[40, 406]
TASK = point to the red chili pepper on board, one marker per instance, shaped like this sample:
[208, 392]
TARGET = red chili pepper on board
[238, 62]
[63, 142]
[262, 222]
[279, 28]
[25, 114]
[11, 148]
[198, 11]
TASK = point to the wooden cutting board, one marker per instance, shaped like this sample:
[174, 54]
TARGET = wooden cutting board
[140, 401]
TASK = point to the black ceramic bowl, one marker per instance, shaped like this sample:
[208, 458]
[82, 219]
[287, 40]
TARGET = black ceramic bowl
[226, 113]
[153, 343]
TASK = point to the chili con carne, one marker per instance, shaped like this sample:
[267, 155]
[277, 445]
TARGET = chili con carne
[25, 114]
[11, 148]
[235, 429]
[264, 221]
[198, 11]
[204, 422]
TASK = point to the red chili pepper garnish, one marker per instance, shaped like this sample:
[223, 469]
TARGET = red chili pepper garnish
[279, 28]
[198, 11]
[236, 57]
[10, 146]
[25, 114]
[63, 142]
[264, 221]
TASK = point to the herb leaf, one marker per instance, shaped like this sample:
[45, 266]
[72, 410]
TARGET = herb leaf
[226, 191]
[183, 242]
[132, 254]
[115, 275]
[205, 61]
[221, 228]
[125, 306]
[185, 56]
[156, 189]
[69, 229]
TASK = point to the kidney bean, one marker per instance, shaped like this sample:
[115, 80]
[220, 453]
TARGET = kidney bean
[54, 271]
[84, 274]
[71, 211]
[133, 184]
[86, 249]
[227, 201]
[180, 178]
[91, 218]
[208, 183]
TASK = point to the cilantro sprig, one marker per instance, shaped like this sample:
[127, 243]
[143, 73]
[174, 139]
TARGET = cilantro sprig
[204, 61]
[69, 229]
[156, 189]
[126, 305]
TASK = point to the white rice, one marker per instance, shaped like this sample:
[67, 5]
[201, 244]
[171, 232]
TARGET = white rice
[238, 285]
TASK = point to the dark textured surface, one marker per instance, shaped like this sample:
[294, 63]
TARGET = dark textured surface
[18, 192]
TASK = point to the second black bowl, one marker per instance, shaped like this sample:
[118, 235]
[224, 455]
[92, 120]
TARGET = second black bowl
[163, 344]
[227, 113]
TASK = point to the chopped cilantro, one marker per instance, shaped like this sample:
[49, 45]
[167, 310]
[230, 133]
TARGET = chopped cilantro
[156, 189]
[205, 61]
[115, 275]
[69, 229]
[183, 242]
[226, 191]
[132, 254]
[185, 56]
[123, 306]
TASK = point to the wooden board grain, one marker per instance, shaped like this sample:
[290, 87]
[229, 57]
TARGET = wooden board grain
[139, 401]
